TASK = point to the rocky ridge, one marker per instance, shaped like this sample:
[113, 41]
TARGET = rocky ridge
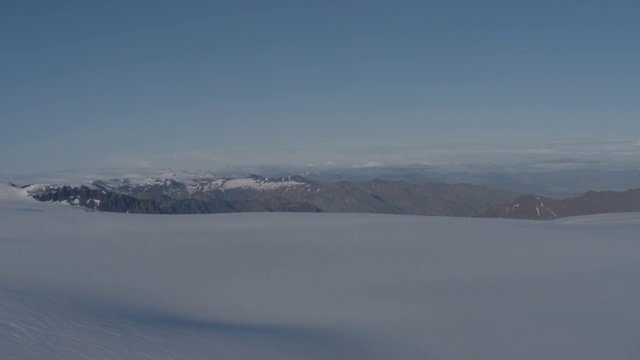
[298, 194]
[544, 208]
[285, 194]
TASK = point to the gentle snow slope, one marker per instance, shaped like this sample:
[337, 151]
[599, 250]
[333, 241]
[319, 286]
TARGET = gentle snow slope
[89, 285]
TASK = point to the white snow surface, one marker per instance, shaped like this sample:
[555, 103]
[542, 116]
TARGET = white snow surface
[91, 285]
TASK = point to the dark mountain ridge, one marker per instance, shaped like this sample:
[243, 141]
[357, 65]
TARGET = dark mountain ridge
[544, 208]
[286, 194]
[298, 194]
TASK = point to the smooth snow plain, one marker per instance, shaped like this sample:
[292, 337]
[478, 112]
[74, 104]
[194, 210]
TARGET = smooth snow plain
[76, 284]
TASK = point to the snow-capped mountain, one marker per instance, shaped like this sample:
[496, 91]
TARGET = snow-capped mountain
[92, 197]
[256, 193]
[210, 194]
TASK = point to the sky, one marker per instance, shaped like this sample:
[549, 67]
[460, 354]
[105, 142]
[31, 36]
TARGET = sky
[204, 84]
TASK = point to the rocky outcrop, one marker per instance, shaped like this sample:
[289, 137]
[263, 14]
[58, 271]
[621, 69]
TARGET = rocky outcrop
[96, 199]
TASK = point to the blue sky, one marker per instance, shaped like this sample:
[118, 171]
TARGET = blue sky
[126, 83]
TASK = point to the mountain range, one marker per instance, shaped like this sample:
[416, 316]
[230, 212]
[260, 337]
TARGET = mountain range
[299, 194]
[284, 194]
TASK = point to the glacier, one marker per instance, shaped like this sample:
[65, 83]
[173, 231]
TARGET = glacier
[77, 284]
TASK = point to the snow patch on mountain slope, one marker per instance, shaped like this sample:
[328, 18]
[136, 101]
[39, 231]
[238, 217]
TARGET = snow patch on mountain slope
[258, 184]
[243, 183]
[195, 185]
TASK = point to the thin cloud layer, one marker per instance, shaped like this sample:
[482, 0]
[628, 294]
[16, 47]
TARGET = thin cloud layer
[553, 155]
